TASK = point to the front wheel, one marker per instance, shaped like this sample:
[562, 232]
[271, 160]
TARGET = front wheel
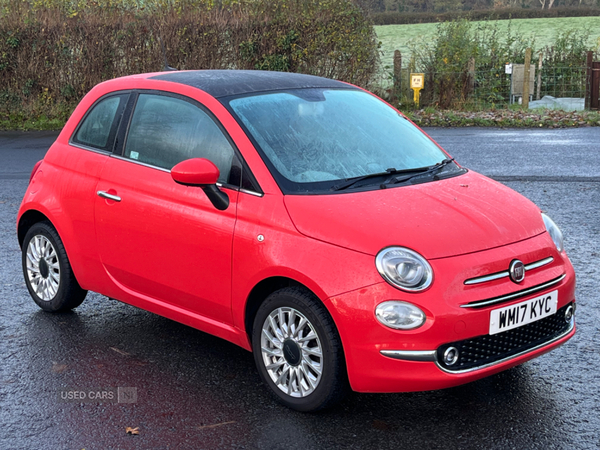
[48, 274]
[298, 352]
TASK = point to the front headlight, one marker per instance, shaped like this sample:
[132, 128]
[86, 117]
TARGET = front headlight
[404, 269]
[554, 232]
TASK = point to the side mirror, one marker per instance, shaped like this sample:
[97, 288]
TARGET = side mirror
[203, 173]
[195, 172]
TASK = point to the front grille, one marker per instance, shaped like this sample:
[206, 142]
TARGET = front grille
[483, 350]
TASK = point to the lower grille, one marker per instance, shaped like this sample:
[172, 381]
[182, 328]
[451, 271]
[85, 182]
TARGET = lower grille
[483, 350]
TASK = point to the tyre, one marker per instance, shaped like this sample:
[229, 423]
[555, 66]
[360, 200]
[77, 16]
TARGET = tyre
[48, 274]
[298, 351]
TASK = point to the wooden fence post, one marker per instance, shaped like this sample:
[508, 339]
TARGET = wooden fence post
[397, 92]
[471, 77]
[411, 69]
[526, 72]
[588, 80]
[539, 77]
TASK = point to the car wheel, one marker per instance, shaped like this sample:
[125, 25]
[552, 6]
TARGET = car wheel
[298, 351]
[48, 274]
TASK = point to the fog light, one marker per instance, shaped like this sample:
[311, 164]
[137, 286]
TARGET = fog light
[451, 356]
[569, 313]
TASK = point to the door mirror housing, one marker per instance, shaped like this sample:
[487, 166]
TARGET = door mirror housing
[195, 172]
[203, 173]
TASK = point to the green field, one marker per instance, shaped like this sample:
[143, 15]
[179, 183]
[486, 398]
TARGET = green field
[398, 37]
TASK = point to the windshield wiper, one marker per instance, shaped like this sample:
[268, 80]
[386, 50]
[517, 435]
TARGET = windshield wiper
[353, 181]
[431, 169]
[417, 171]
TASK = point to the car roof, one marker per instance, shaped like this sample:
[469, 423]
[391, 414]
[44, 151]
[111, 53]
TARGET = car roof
[223, 83]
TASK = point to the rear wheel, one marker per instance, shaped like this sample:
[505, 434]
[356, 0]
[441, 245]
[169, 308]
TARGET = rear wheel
[298, 351]
[48, 274]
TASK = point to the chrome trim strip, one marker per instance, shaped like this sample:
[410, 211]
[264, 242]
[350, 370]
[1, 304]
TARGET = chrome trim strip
[122, 158]
[541, 263]
[411, 355]
[256, 194]
[495, 276]
[89, 149]
[523, 293]
[486, 278]
[219, 184]
[500, 361]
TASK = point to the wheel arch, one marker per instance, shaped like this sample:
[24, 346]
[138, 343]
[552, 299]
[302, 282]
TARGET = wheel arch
[26, 221]
[333, 383]
[260, 292]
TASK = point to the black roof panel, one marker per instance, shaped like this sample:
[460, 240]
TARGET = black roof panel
[222, 83]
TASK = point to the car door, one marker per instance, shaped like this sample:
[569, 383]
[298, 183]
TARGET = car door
[160, 241]
[73, 169]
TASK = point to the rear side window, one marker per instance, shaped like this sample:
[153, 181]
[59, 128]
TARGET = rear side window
[99, 126]
[166, 130]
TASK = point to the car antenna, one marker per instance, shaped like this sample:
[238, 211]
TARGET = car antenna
[166, 66]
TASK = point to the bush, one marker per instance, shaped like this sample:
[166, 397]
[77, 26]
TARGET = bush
[465, 64]
[458, 45]
[53, 51]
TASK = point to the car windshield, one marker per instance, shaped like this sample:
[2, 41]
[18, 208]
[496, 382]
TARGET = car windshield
[311, 136]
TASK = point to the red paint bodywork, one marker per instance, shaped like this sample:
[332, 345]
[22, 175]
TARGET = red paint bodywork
[166, 249]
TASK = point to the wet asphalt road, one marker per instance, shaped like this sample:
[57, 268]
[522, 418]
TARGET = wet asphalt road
[196, 391]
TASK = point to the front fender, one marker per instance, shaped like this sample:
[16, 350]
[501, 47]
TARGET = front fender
[281, 251]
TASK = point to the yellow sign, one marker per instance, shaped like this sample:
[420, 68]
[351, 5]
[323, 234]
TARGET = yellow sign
[417, 82]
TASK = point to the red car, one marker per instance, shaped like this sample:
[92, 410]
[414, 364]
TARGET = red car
[302, 219]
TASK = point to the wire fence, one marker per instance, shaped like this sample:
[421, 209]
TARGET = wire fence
[484, 87]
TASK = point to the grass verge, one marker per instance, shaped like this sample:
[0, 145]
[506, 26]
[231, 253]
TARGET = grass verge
[538, 118]
[30, 124]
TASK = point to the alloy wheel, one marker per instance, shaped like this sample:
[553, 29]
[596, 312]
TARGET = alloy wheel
[292, 352]
[43, 268]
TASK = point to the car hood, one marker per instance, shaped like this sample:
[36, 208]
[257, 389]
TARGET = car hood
[450, 217]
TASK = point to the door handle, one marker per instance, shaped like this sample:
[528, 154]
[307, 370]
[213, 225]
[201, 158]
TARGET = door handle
[114, 198]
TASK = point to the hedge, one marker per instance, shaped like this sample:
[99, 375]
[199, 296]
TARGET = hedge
[50, 56]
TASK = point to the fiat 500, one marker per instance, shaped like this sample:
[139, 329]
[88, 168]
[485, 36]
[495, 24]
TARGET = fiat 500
[302, 219]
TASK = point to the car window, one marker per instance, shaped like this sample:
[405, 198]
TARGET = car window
[166, 130]
[99, 125]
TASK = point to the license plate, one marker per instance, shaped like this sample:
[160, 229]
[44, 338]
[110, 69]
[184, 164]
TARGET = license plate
[514, 316]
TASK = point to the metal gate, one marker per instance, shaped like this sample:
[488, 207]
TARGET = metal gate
[592, 83]
[595, 97]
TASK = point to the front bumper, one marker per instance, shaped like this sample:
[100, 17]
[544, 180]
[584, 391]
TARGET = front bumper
[392, 375]
[380, 359]
[487, 351]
